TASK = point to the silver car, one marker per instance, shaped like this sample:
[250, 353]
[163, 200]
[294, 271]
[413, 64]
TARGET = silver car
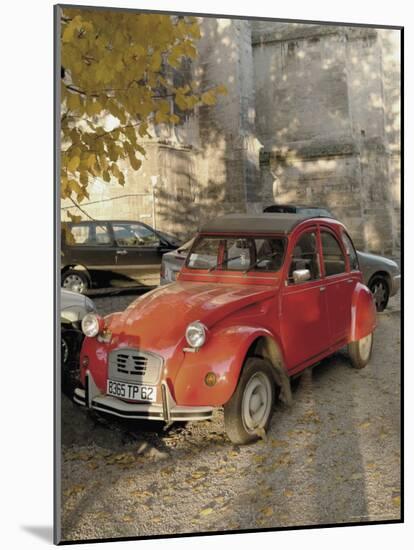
[381, 275]
[74, 307]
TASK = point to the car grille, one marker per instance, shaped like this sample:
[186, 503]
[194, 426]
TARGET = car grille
[133, 365]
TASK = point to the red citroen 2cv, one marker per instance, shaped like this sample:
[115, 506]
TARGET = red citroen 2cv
[259, 299]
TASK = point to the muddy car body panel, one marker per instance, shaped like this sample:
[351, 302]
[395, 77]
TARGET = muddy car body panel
[252, 287]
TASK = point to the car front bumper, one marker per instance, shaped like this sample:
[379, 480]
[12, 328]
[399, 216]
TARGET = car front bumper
[167, 411]
[395, 284]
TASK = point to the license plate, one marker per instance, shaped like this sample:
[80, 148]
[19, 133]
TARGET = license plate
[134, 392]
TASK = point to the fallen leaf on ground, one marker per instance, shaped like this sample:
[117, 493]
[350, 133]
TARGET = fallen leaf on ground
[279, 443]
[365, 424]
[206, 511]
[267, 511]
[74, 490]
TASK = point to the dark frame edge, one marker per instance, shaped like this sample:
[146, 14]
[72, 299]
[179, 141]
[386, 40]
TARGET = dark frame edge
[57, 540]
[402, 268]
[233, 16]
[56, 278]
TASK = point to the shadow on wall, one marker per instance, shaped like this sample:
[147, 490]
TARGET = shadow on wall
[326, 143]
[212, 179]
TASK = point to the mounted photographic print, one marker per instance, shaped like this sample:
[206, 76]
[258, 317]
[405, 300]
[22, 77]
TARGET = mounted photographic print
[228, 258]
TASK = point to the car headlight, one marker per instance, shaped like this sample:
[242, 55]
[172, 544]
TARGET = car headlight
[196, 334]
[92, 325]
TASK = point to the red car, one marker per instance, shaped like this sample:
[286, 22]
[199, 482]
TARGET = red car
[259, 299]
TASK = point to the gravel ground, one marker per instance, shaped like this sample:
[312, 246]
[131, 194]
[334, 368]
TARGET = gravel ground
[332, 457]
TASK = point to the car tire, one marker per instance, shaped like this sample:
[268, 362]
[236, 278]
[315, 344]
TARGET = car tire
[71, 343]
[360, 351]
[255, 392]
[380, 289]
[75, 280]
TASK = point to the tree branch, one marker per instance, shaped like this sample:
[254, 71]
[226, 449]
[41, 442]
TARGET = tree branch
[81, 209]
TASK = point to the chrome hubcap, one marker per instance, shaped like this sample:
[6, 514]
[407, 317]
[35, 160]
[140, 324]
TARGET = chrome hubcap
[256, 403]
[365, 347]
[74, 282]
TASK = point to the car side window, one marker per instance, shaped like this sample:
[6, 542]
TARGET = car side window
[350, 250]
[87, 234]
[79, 234]
[134, 235]
[305, 256]
[333, 257]
[102, 234]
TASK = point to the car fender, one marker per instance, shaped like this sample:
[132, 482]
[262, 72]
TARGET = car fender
[75, 267]
[363, 313]
[224, 354]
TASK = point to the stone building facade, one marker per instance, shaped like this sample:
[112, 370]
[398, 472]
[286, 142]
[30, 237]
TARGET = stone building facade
[311, 116]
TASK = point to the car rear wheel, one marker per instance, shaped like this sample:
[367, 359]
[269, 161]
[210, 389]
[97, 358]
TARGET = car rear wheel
[248, 413]
[76, 281]
[360, 351]
[380, 291]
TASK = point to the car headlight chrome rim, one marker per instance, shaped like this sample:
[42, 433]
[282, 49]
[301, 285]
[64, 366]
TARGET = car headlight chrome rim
[92, 324]
[196, 334]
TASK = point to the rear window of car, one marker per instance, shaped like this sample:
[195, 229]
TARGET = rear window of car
[84, 234]
[237, 254]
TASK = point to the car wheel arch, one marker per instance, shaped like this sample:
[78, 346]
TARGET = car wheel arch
[76, 267]
[266, 347]
[363, 313]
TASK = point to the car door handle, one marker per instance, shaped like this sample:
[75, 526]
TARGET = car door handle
[350, 281]
[122, 252]
[322, 288]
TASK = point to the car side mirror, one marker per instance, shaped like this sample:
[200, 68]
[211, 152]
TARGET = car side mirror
[301, 275]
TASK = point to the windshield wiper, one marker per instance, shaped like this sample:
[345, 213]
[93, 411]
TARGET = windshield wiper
[257, 262]
[219, 264]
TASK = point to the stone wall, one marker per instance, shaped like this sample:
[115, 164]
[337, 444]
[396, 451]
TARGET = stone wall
[311, 116]
[326, 112]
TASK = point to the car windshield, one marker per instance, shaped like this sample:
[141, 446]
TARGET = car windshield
[237, 254]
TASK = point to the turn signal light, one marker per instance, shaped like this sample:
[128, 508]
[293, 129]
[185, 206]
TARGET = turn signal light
[210, 379]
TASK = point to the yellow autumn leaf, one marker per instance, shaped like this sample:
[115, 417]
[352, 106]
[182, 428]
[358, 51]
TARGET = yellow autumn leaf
[116, 69]
[267, 511]
[73, 101]
[73, 163]
[208, 98]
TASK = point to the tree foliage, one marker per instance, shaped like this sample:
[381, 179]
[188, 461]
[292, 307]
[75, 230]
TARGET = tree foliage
[120, 64]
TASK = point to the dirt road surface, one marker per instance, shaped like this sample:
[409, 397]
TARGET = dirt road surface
[332, 457]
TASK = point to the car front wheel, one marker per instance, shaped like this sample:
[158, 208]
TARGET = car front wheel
[360, 351]
[380, 291]
[248, 413]
[76, 281]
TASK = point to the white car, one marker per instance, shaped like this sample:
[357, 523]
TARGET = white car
[74, 307]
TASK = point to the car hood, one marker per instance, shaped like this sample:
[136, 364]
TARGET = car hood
[366, 258]
[159, 318]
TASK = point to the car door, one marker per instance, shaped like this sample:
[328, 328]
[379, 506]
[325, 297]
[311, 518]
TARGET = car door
[90, 244]
[138, 252]
[340, 284]
[304, 321]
